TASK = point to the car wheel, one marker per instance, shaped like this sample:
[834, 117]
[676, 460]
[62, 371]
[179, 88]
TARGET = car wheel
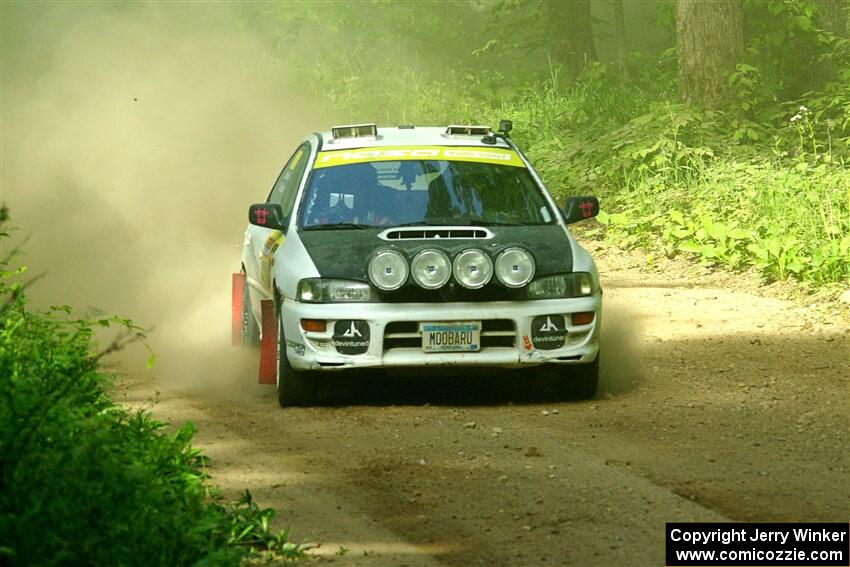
[294, 388]
[580, 381]
[250, 329]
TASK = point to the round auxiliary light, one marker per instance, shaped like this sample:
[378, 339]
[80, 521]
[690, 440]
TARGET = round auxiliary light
[388, 270]
[431, 269]
[473, 268]
[515, 267]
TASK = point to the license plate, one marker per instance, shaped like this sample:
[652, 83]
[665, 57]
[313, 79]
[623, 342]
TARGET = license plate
[454, 336]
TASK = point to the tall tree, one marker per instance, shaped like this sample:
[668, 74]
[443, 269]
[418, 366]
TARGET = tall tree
[620, 35]
[571, 30]
[834, 16]
[540, 32]
[710, 41]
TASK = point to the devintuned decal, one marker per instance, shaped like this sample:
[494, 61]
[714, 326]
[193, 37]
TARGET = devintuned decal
[480, 155]
[548, 332]
[351, 336]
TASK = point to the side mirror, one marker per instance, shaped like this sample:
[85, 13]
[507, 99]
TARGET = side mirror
[580, 208]
[266, 215]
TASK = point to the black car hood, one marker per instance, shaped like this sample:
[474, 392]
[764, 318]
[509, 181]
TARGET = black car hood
[345, 253]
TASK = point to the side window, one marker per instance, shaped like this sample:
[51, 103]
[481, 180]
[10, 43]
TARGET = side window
[286, 187]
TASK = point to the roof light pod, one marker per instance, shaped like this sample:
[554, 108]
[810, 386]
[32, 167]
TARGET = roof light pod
[515, 267]
[431, 269]
[388, 270]
[473, 268]
[468, 130]
[355, 131]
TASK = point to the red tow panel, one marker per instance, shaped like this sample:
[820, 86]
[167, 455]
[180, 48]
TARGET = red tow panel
[237, 287]
[268, 343]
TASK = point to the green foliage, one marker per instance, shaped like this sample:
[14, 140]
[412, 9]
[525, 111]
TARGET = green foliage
[84, 480]
[781, 221]
[760, 186]
[787, 41]
[760, 183]
[668, 141]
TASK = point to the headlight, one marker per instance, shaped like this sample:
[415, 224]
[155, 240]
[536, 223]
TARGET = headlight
[388, 270]
[431, 269]
[473, 268]
[514, 267]
[318, 290]
[578, 284]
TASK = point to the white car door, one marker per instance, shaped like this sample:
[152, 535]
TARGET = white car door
[263, 242]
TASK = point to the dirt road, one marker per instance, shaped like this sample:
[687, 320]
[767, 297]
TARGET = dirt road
[714, 405]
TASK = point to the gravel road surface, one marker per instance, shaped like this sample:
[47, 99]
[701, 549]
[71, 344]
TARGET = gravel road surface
[715, 404]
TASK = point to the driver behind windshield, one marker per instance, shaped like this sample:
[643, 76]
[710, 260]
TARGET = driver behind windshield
[350, 194]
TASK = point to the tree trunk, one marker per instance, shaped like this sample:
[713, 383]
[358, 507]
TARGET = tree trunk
[620, 35]
[834, 16]
[574, 46]
[709, 39]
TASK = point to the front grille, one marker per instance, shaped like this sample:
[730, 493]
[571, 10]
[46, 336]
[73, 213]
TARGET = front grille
[406, 334]
[451, 292]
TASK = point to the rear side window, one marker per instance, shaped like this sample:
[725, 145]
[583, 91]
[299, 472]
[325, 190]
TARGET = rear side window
[286, 187]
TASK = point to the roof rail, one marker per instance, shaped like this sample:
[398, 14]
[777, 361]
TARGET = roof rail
[468, 130]
[355, 131]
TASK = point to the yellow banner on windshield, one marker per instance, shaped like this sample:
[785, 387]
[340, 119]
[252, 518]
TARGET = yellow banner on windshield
[498, 156]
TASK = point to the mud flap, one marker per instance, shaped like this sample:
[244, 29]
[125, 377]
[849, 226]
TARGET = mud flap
[237, 288]
[268, 343]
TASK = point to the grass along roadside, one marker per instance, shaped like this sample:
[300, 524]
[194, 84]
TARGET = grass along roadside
[780, 222]
[742, 190]
[83, 480]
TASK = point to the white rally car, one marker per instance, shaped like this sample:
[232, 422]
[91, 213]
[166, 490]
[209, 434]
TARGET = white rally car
[415, 246]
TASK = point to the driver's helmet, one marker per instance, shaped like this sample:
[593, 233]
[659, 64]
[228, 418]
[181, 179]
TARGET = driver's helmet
[344, 194]
[357, 180]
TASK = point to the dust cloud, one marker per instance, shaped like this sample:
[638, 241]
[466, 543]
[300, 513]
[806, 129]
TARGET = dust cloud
[621, 364]
[134, 137]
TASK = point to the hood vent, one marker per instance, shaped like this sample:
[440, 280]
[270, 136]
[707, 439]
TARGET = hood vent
[436, 233]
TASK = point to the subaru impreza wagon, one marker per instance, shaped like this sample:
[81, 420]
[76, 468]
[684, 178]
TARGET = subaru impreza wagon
[415, 247]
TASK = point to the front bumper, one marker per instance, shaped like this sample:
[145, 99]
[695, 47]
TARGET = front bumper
[393, 331]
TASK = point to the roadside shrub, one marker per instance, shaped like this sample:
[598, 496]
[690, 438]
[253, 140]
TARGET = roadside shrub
[759, 184]
[781, 220]
[84, 481]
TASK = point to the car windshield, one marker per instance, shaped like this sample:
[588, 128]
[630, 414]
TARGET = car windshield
[414, 192]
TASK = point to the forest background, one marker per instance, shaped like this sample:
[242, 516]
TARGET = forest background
[716, 130]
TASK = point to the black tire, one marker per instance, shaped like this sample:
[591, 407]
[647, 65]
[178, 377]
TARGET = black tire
[250, 329]
[580, 381]
[294, 388]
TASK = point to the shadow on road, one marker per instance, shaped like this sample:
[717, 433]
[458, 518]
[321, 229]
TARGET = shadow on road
[439, 387]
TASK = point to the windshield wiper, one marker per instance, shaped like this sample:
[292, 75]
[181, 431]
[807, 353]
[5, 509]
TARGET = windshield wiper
[474, 221]
[460, 221]
[437, 222]
[338, 225]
